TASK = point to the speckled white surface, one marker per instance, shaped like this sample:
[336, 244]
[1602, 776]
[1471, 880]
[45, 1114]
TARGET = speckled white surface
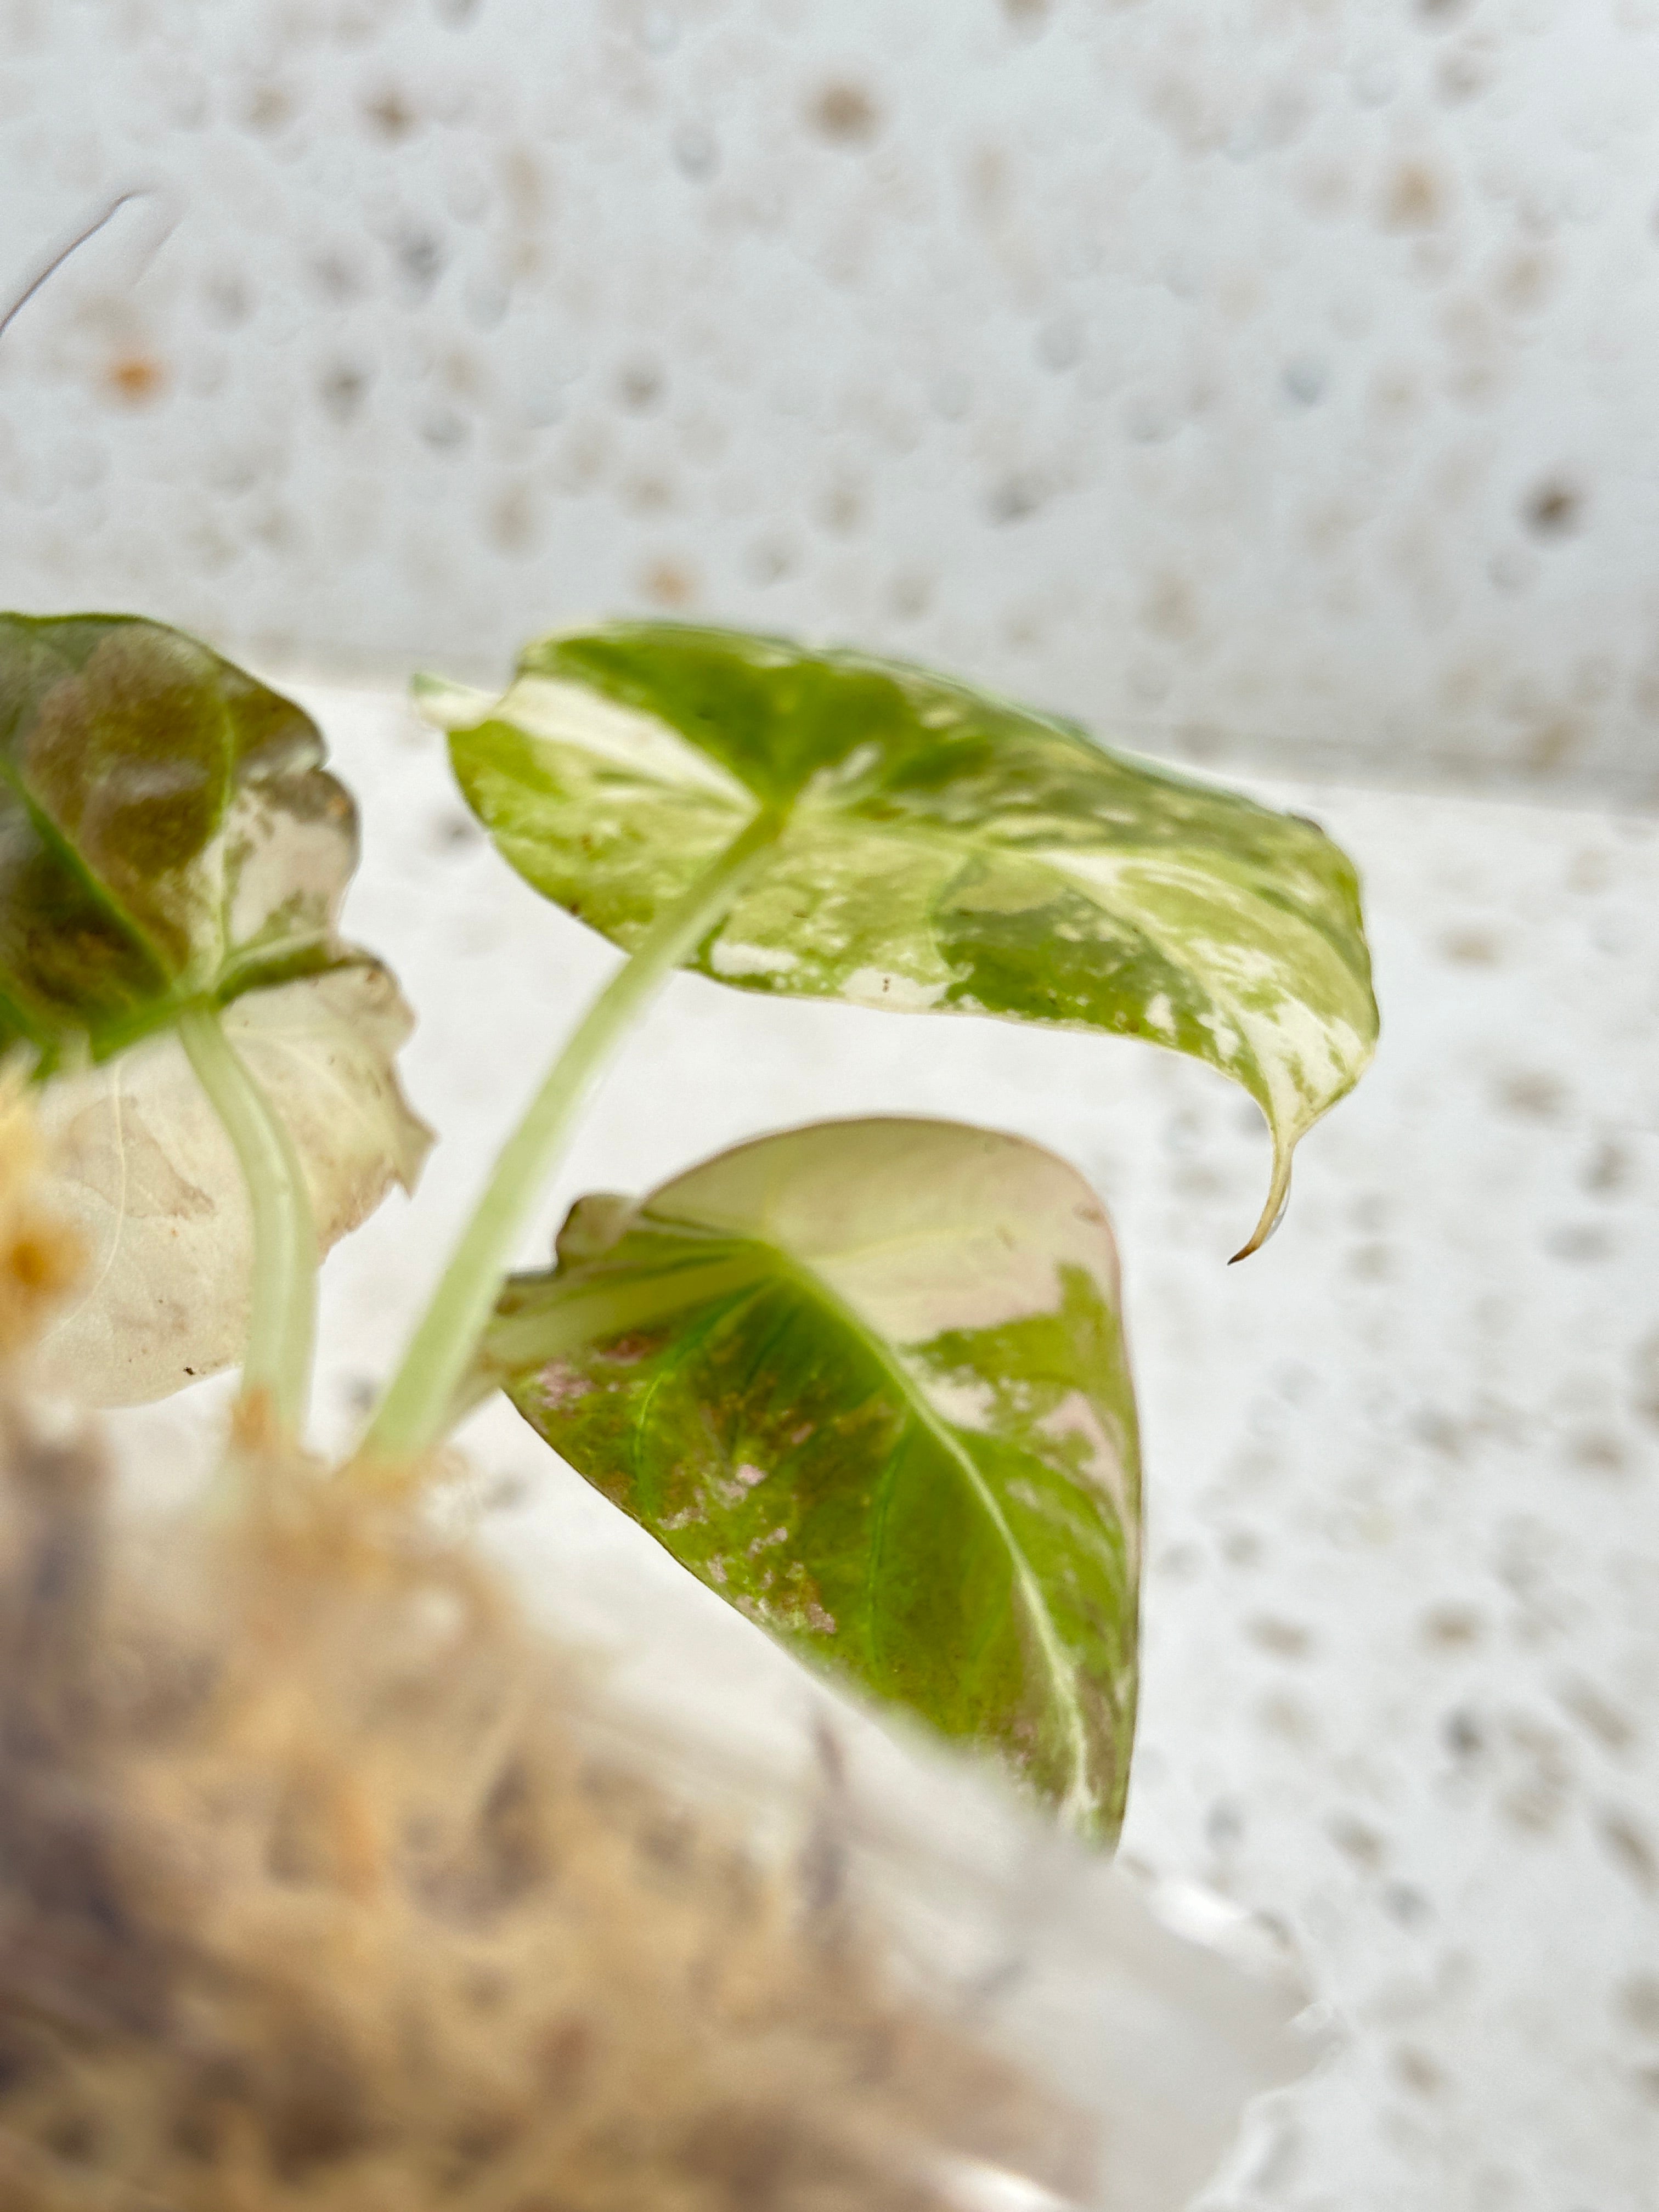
[1402, 1604]
[1276, 375]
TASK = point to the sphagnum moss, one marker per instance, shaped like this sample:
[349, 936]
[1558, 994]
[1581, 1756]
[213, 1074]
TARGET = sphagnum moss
[313, 1901]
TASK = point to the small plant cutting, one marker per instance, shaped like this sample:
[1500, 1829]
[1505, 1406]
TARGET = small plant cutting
[867, 1380]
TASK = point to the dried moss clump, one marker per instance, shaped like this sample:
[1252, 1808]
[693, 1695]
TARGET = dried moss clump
[310, 1898]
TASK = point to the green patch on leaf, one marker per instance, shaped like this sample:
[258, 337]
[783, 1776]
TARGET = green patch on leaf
[167, 834]
[944, 849]
[867, 1381]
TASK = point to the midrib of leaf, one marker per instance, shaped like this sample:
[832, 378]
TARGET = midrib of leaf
[227, 788]
[812, 1284]
[716, 1314]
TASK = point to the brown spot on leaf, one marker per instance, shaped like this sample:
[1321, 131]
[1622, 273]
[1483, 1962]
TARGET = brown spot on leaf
[628, 1351]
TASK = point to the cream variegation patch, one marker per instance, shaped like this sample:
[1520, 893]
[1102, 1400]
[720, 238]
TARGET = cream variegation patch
[140, 1168]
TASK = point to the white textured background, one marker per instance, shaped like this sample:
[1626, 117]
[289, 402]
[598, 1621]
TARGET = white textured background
[1278, 375]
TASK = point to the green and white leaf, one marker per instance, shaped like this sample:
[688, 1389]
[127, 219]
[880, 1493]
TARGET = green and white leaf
[140, 1167]
[168, 835]
[943, 848]
[867, 1381]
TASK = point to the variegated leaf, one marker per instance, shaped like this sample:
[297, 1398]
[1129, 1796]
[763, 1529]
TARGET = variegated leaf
[167, 834]
[943, 849]
[867, 1381]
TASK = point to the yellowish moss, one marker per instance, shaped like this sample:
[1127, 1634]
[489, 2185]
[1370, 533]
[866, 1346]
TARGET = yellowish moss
[39, 1256]
[314, 1899]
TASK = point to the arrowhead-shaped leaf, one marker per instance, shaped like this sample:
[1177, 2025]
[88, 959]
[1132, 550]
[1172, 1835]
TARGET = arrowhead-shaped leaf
[867, 1380]
[140, 1168]
[167, 834]
[168, 839]
[944, 849]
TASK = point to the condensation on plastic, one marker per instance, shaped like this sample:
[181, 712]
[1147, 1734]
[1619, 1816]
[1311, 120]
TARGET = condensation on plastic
[1260, 379]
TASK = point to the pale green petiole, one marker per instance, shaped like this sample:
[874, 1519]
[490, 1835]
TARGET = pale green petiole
[417, 1407]
[283, 1328]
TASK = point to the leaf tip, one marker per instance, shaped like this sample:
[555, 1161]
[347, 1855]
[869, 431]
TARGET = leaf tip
[1278, 1197]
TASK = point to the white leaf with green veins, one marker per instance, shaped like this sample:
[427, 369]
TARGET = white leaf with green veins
[943, 848]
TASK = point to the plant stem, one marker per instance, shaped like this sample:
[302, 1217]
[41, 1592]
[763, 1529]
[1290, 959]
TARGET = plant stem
[416, 1408]
[283, 1323]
